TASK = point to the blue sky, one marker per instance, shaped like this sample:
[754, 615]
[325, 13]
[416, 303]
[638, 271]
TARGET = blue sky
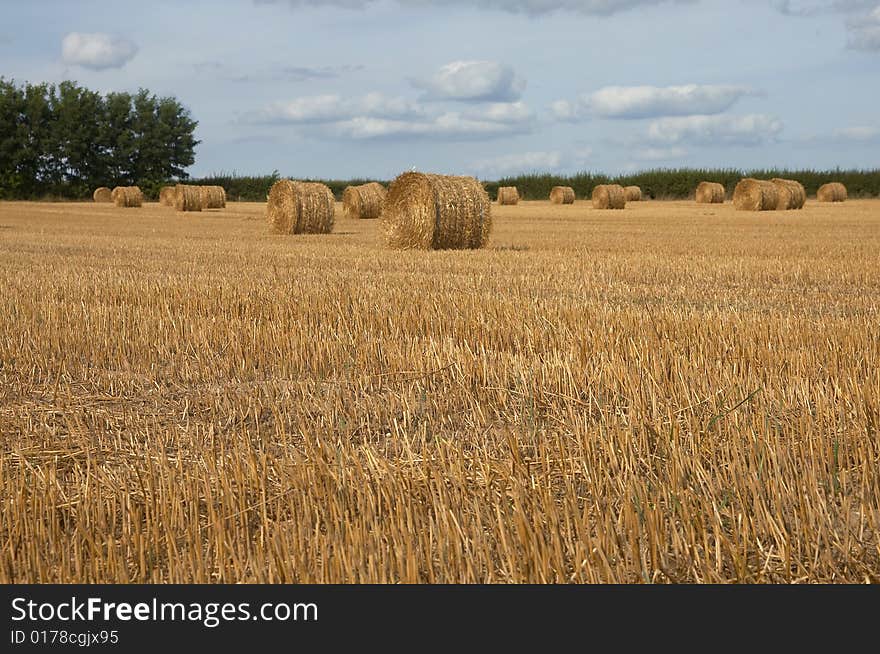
[369, 88]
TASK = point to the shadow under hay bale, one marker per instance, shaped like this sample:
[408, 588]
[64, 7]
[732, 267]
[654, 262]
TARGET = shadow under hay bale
[562, 195]
[363, 202]
[436, 212]
[710, 193]
[127, 196]
[755, 195]
[632, 194]
[508, 195]
[832, 192]
[300, 208]
[187, 198]
[102, 194]
[609, 196]
[213, 197]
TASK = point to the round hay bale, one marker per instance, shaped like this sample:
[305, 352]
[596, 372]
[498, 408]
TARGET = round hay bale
[213, 197]
[102, 194]
[793, 191]
[187, 198]
[633, 193]
[710, 193]
[832, 192]
[436, 212]
[562, 195]
[127, 196]
[609, 196]
[755, 195]
[300, 208]
[363, 202]
[166, 196]
[508, 195]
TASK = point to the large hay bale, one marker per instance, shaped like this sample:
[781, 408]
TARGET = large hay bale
[363, 202]
[213, 197]
[832, 192]
[127, 196]
[508, 195]
[300, 208]
[166, 196]
[710, 193]
[102, 194]
[755, 195]
[187, 198]
[609, 196]
[562, 195]
[791, 193]
[632, 193]
[436, 212]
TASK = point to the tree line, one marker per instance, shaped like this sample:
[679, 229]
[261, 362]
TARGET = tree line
[64, 140]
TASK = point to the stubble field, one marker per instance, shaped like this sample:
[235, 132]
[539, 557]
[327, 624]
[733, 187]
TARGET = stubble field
[672, 393]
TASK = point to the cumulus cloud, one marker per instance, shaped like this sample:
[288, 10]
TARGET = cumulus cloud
[864, 32]
[529, 162]
[96, 51]
[334, 108]
[473, 81]
[813, 7]
[660, 154]
[633, 102]
[859, 134]
[751, 129]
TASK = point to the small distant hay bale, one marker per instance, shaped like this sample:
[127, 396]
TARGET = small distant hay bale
[213, 197]
[562, 195]
[755, 195]
[792, 194]
[102, 194]
[710, 193]
[300, 208]
[436, 212]
[187, 198]
[127, 196]
[609, 196]
[363, 202]
[166, 196]
[832, 192]
[508, 195]
[633, 193]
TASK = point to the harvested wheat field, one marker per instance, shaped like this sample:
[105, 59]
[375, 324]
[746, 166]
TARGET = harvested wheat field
[675, 393]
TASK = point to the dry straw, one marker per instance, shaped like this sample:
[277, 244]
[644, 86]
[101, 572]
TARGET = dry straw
[102, 194]
[364, 201]
[710, 193]
[755, 195]
[436, 212]
[832, 192]
[213, 197]
[166, 196]
[633, 193]
[127, 196]
[609, 196]
[187, 198]
[792, 194]
[300, 208]
[508, 195]
[562, 195]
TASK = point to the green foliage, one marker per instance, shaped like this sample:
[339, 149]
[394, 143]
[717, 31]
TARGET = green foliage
[64, 141]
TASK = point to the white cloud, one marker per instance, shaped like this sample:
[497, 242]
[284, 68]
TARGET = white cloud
[813, 7]
[334, 108]
[633, 102]
[504, 112]
[864, 32]
[96, 51]
[530, 7]
[660, 154]
[452, 124]
[751, 129]
[530, 162]
[473, 81]
[860, 133]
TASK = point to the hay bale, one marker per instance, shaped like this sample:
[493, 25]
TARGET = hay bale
[213, 197]
[187, 198]
[791, 193]
[436, 212]
[300, 208]
[710, 193]
[755, 195]
[363, 202]
[632, 193]
[832, 192]
[166, 196]
[102, 194]
[127, 196]
[562, 195]
[609, 196]
[508, 195]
